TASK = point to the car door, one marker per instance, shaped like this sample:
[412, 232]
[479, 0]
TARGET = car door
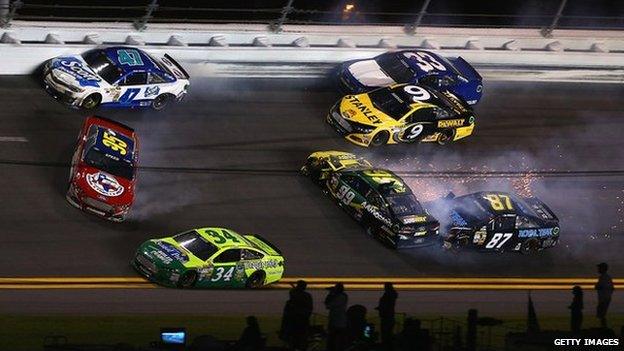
[225, 269]
[132, 88]
[501, 232]
[417, 124]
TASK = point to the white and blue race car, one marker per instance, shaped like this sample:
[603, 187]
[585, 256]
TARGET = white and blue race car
[115, 76]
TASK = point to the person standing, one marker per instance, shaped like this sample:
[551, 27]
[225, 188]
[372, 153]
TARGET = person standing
[576, 310]
[336, 302]
[386, 316]
[301, 309]
[604, 288]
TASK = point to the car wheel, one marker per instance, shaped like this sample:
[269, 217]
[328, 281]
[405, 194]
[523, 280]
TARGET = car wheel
[255, 280]
[161, 101]
[187, 280]
[380, 138]
[91, 101]
[530, 246]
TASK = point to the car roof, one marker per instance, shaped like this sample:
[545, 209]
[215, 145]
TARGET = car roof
[379, 177]
[414, 64]
[441, 98]
[142, 61]
[240, 241]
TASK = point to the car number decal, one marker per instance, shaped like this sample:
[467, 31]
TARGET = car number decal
[425, 61]
[417, 93]
[499, 202]
[498, 240]
[129, 57]
[224, 274]
[223, 237]
[345, 195]
[114, 143]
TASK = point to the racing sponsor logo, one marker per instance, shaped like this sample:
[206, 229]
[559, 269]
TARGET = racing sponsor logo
[364, 109]
[104, 184]
[257, 265]
[413, 219]
[451, 123]
[375, 213]
[152, 91]
[538, 232]
[77, 70]
[458, 219]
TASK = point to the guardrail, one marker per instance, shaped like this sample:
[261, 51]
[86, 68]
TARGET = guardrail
[26, 44]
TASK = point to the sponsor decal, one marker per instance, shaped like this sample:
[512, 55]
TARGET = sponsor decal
[152, 91]
[414, 219]
[451, 123]
[104, 184]
[457, 219]
[538, 232]
[171, 252]
[365, 110]
[375, 212]
[257, 264]
[75, 68]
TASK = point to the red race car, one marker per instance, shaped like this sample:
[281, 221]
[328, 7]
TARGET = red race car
[103, 169]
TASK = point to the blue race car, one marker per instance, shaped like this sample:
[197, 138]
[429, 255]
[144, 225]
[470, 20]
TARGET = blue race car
[411, 66]
[115, 76]
[495, 221]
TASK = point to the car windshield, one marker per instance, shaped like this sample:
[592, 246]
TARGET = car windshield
[196, 245]
[108, 163]
[471, 206]
[404, 205]
[102, 65]
[395, 67]
[389, 103]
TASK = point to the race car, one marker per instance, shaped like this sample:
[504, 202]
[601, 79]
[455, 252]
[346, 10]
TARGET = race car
[103, 169]
[115, 76]
[414, 67]
[496, 221]
[402, 113]
[377, 198]
[210, 258]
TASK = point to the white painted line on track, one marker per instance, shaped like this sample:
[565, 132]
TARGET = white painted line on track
[9, 139]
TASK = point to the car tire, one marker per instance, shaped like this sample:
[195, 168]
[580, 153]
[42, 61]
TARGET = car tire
[255, 280]
[161, 101]
[187, 280]
[530, 246]
[92, 101]
[381, 138]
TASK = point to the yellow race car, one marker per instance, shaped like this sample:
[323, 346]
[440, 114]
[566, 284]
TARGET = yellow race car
[402, 113]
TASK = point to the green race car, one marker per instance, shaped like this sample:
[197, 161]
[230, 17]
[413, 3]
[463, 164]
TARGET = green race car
[210, 258]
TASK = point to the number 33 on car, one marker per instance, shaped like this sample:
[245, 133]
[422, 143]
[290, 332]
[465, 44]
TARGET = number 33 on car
[210, 258]
[402, 113]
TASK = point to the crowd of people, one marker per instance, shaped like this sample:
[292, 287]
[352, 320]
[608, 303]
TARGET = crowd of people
[347, 326]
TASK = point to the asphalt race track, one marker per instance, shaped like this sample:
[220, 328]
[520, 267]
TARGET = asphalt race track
[229, 155]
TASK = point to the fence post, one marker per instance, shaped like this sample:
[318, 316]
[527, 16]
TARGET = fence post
[8, 11]
[411, 28]
[141, 24]
[276, 26]
[547, 32]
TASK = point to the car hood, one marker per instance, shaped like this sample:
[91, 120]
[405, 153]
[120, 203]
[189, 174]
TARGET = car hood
[104, 186]
[360, 109]
[164, 254]
[73, 70]
[368, 73]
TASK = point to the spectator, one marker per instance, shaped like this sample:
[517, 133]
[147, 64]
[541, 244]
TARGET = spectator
[576, 310]
[286, 332]
[336, 302]
[604, 288]
[386, 316]
[301, 309]
[356, 324]
[251, 339]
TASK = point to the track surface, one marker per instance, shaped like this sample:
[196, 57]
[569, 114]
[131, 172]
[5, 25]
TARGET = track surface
[228, 156]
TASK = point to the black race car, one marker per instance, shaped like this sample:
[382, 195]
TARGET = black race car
[495, 221]
[377, 198]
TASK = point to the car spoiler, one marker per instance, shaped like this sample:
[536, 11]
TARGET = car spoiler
[113, 122]
[264, 244]
[465, 69]
[185, 75]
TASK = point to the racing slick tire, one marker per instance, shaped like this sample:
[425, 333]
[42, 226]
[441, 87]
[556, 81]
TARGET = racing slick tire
[530, 246]
[92, 101]
[187, 280]
[311, 170]
[380, 139]
[446, 136]
[255, 280]
[161, 101]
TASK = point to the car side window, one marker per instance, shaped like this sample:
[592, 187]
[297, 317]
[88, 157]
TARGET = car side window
[419, 115]
[375, 199]
[228, 256]
[136, 78]
[357, 184]
[251, 255]
[154, 78]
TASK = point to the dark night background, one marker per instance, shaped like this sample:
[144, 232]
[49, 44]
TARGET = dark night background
[516, 13]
